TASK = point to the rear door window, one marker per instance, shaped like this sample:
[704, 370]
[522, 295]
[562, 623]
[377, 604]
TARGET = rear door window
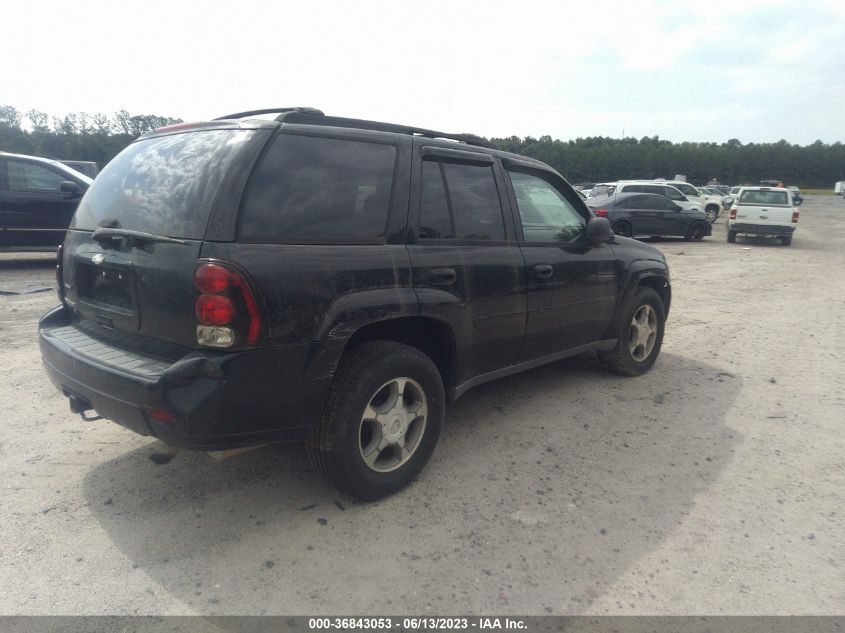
[476, 209]
[435, 219]
[310, 189]
[162, 185]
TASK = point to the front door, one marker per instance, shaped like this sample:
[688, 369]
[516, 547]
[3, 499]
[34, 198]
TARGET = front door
[36, 211]
[571, 282]
[467, 267]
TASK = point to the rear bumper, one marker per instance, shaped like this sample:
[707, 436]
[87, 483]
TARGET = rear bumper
[761, 229]
[217, 400]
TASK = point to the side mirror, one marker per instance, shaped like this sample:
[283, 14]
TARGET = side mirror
[677, 208]
[68, 186]
[797, 200]
[684, 198]
[599, 231]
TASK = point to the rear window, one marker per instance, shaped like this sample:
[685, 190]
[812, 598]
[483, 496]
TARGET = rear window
[772, 198]
[164, 185]
[310, 189]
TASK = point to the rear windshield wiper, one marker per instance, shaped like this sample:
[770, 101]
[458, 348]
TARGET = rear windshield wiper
[104, 234]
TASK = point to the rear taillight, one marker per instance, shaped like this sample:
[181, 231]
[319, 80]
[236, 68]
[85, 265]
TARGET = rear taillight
[600, 213]
[214, 310]
[733, 213]
[60, 285]
[225, 307]
[795, 216]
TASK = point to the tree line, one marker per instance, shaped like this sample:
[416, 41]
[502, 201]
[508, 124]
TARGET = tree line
[99, 137]
[76, 136]
[605, 159]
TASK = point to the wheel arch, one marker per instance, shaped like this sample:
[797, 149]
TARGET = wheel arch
[643, 273]
[433, 337]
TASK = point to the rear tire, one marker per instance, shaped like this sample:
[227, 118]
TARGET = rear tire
[786, 240]
[731, 236]
[387, 400]
[623, 229]
[641, 336]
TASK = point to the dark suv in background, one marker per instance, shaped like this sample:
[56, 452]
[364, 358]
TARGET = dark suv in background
[38, 197]
[332, 280]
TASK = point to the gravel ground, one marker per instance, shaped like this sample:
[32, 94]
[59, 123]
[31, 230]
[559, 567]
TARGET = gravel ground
[712, 485]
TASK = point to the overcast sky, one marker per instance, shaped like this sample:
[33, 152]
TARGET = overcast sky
[707, 70]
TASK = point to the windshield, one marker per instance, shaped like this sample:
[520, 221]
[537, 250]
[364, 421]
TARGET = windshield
[163, 185]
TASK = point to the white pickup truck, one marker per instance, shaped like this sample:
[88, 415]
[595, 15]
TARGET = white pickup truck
[763, 212]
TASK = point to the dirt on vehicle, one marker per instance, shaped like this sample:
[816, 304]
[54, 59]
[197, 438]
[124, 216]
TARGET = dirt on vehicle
[712, 485]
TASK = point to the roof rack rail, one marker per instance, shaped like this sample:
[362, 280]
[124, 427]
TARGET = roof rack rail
[315, 117]
[241, 115]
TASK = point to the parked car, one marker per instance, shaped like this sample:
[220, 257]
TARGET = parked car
[334, 281]
[653, 215]
[38, 197]
[87, 167]
[602, 189]
[714, 202]
[764, 212]
[649, 186]
[693, 195]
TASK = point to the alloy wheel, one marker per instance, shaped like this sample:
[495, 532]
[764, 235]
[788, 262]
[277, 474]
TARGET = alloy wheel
[392, 424]
[643, 332]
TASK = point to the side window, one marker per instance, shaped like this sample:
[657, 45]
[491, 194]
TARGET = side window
[632, 189]
[547, 216]
[29, 177]
[474, 199]
[435, 219]
[312, 188]
[672, 193]
[663, 203]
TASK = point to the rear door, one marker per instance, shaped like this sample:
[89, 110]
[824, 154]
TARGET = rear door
[137, 290]
[668, 218]
[4, 187]
[36, 213]
[467, 267]
[571, 282]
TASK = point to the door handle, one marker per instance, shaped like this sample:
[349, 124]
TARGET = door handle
[442, 276]
[543, 272]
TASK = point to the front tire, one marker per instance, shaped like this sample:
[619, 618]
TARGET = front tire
[712, 213]
[641, 337]
[696, 232]
[623, 229]
[382, 421]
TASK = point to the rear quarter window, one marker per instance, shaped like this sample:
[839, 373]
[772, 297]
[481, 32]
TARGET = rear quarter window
[309, 189]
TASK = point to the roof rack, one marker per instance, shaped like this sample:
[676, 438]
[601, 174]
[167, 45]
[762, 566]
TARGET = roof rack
[318, 118]
[313, 116]
[241, 115]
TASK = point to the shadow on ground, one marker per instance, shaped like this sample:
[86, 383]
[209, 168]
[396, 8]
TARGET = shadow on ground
[545, 487]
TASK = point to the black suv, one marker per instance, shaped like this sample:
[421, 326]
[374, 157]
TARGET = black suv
[37, 199]
[332, 280]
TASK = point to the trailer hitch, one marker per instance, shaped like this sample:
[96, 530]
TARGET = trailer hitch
[80, 405]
